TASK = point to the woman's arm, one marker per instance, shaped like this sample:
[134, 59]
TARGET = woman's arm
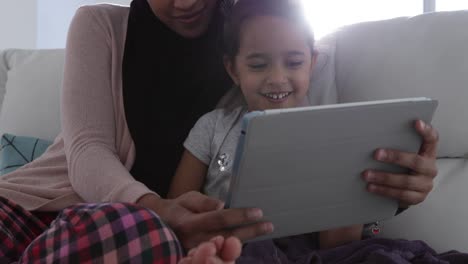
[189, 176]
[339, 236]
[88, 118]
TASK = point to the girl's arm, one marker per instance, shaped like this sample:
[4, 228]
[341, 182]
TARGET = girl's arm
[189, 176]
[339, 236]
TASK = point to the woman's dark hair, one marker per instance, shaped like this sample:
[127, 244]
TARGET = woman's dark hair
[244, 10]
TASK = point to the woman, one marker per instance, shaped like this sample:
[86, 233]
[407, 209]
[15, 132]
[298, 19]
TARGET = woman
[133, 88]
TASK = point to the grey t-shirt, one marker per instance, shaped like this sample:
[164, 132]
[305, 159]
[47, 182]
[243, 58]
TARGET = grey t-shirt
[213, 140]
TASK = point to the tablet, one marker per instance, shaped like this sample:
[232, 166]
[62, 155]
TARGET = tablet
[302, 166]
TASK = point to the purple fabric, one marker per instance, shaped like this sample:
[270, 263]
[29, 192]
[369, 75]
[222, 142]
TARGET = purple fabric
[374, 250]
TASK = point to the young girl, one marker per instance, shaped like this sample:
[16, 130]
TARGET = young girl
[269, 54]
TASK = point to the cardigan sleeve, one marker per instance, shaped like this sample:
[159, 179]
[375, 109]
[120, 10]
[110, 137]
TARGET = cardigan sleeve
[88, 118]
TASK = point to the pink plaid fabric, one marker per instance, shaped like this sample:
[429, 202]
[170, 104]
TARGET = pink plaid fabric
[18, 228]
[96, 233]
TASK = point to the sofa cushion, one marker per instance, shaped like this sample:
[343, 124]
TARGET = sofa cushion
[440, 220]
[424, 55]
[31, 106]
[16, 151]
[323, 86]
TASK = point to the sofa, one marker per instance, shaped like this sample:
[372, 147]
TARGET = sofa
[425, 55]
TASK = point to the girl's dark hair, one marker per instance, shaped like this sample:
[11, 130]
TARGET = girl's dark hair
[244, 10]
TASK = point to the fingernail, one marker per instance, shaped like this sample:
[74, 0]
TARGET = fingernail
[372, 188]
[220, 206]
[423, 125]
[255, 214]
[369, 176]
[214, 239]
[381, 154]
[268, 227]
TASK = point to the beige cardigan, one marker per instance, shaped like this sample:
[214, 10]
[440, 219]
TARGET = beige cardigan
[95, 139]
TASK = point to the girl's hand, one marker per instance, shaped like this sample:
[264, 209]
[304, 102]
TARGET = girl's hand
[412, 188]
[196, 218]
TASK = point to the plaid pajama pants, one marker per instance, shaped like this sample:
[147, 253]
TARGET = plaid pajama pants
[86, 233]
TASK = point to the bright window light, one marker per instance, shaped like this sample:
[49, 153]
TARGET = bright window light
[327, 15]
[450, 5]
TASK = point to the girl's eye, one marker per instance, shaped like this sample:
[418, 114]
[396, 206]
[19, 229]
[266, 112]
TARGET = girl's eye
[257, 66]
[294, 64]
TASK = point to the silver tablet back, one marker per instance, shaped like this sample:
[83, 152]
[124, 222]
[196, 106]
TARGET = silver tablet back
[303, 166]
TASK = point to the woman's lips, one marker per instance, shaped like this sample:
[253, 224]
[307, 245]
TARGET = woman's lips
[190, 18]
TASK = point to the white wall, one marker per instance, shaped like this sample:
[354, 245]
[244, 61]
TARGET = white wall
[42, 24]
[18, 20]
[54, 17]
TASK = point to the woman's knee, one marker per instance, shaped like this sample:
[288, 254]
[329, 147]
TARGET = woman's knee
[18, 228]
[107, 233]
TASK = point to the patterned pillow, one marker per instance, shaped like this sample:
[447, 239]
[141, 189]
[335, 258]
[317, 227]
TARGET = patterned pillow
[16, 151]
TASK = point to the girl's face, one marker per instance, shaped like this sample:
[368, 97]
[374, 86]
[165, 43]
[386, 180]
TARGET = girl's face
[273, 65]
[188, 18]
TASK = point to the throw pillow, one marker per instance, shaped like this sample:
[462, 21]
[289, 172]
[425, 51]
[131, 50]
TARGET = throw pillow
[16, 151]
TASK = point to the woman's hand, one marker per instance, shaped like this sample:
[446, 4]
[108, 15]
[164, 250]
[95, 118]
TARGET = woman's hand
[196, 218]
[412, 188]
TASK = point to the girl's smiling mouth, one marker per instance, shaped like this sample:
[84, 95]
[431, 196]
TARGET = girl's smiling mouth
[276, 97]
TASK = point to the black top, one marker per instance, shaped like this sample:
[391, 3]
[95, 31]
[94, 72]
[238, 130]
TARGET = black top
[168, 83]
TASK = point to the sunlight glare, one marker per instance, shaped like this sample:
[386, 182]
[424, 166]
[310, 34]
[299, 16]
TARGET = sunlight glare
[327, 15]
